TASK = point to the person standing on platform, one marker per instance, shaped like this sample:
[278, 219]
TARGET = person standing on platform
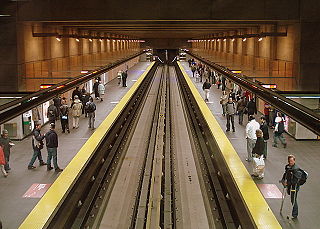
[223, 102]
[101, 89]
[278, 131]
[76, 112]
[2, 162]
[206, 87]
[124, 78]
[119, 76]
[6, 144]
[193, 69]
[265, 131]
[52, 148]
[37, 145]
[52, 113]
[64, 116]
[96, 89]
[230, 111]
[76, 92]
[290, 180]
[257, 152]
[241, 105]
[251, 137]
[91, 109]
[251, 108]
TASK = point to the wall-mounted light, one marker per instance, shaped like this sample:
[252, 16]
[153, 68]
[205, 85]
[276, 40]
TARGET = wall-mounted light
[260, 39]
[244, 39]
[77, 40]
[90, 39]
[58, 39]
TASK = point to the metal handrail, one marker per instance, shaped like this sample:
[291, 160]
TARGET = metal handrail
[296, 111]
[19, 106]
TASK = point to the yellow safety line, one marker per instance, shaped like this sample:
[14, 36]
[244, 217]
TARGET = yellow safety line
[259, 209]
[49, 203]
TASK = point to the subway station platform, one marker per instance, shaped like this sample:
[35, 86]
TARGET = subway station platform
[21, 182]
[307, 157]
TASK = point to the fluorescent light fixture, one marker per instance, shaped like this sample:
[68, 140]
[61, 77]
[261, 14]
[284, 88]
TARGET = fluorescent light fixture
[58, 39]
[260, 39]
[77, 40]
[244, 39]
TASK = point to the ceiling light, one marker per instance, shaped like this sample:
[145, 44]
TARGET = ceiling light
[77, 40]
[260, 39]
[58, 39]
[90, 39]
[244, 39]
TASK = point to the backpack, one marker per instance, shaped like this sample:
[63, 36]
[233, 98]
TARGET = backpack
[90, 107]
[304, 177]
[281, 127]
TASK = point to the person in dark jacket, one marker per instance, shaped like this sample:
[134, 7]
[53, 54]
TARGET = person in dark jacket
[37, 145]
[76, 92]
[241, 105]
[265, 131]
[290, 180]
[64, 116]
[259, 146]
[124, 78]
[251, 107]
[206, 87]
[52, 113]
[230, 111]
[6, 144]
[52, 148]
[96, 89]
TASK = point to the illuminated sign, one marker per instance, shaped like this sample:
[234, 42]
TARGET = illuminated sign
[46, 86]
[269, 86]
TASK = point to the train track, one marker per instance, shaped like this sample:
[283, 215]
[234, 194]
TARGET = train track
[155, 169]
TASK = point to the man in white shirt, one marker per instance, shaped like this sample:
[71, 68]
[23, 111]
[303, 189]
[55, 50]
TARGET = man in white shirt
[251, 137]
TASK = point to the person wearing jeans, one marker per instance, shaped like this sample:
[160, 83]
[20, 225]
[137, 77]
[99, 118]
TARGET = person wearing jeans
[52, 146]
[37, 145]
[290, 180]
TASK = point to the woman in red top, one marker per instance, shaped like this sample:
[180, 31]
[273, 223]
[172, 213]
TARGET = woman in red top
[2, 162]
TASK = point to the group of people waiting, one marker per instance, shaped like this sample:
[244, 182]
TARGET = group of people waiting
[240, 102]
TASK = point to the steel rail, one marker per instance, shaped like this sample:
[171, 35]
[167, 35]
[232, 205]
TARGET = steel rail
[296, 111]
[82, 202]
[19, 106]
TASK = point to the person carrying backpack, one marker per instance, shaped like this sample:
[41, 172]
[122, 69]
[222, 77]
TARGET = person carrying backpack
[90, 109]
[292, 179]
[278, 131]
